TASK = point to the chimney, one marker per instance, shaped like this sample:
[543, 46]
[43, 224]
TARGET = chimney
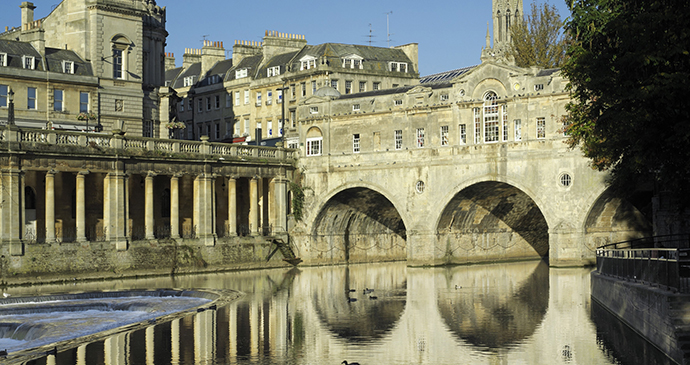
[169, 61]
[412, 52]
[190, 57]
[243, 49]
[27, 12]
[277, 43]
[211, 53]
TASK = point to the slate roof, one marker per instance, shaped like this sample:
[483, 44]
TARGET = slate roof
[374, 58]
[250, 62]
[445, 76]
[193, 70]
[397, 90]
[548, 72]
[55, 56]
[171, 75]
[15, 50]
[281, 60]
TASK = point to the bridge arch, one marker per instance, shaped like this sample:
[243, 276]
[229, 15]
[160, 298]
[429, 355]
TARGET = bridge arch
[485, 219]
[358, 223]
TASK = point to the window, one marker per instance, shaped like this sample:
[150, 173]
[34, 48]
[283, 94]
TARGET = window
[376, 86]
[304, 89]
[237, 98]
[314, 146]
[118, 65]
[279, 92]
[397, 102]
[208, 103]
[398, 139]
[293, 92]
[246, 126]
[31, 98]
[463, 133]
[273, 71]
[444, 135]
[293, 119]
[216, 103]
[355, 143]
[334, 84]
[420, 137]
[538, 87]
[84, 102]
[200, 105]
[397, 66]
[362, 86]
[241, 73]
[228, 100]
[518, 129]
[307, 63]
[217, 135]
[181, 105]
[68, 67]
[504, 115]
[313, 110]
[3, 59]
[566, 125]
[147, 129]
[28, 62]
[355, 107]
[246, 96]
[280, 127]
[313, 87]
[491, 116]
[293, 143]
[3, 96]
[58, 99]
[269, 125]
[541, 127]
[352, 61]
[477, 126]
[269, 97]
[444, 97]
[258, 98]
[348, 87]
[189, 104]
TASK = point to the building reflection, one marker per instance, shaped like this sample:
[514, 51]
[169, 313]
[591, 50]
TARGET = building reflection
[499, 314]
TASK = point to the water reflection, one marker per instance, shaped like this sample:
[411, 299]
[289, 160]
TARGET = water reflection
[521, 313]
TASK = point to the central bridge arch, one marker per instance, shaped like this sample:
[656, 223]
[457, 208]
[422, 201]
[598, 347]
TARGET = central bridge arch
[491, 220]
[358, 224]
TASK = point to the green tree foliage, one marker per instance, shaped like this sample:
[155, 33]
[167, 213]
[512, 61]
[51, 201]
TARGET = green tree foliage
[538, 40]
[629, 73]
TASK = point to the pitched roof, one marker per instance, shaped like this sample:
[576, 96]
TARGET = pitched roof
[251, 63]
[374, 58]
[445, 76]
[281, 60]
[16, 50]
[193, 70]
[56, 56]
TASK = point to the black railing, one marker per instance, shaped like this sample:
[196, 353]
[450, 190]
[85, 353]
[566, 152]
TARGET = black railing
[667, 265]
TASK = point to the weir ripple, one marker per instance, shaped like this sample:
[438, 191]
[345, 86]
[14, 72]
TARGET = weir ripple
[516, 313]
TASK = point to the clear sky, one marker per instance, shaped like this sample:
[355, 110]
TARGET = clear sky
[450, 33]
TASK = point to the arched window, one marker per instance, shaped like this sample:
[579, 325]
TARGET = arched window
[491, 117]
[314, 142]
[120, 48]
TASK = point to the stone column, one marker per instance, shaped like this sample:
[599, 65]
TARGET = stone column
[175, 341]
[149, 345]
[280, 204]
[149, 221]
[81, 206]
[254, 206]
[12, 204]
[232, 206]
[50, 206]
[115, 217]
[204, 209]
[175, 206]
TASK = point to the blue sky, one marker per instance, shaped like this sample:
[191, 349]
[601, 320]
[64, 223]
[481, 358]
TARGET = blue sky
[450, 33]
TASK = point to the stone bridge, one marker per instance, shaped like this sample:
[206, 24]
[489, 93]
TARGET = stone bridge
[468, 171]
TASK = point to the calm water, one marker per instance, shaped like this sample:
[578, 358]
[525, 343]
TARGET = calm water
[518, 313]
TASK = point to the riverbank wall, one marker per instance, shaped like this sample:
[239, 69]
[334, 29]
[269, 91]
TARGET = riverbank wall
[660, 316]
[58, 262]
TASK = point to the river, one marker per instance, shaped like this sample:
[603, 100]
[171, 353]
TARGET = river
[511, 313]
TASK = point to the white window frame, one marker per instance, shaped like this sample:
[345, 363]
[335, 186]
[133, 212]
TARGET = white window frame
[444, 135]
[314, 146]
[504, 117]
[462, 130]
[241, 73]
[246, 97]
[538, 87]
[237, 98]
[307, 62]
[477, 126]
[3, 59]
[313, 110]
[269, 128]
[269, 97]
[355, 107]
[398, 139]
[355, 143]
[188, 81]
[118, 64]
[29, 62]
[376, 85]
[420, 137]
[518, 129]
[444, 97]
[362, 86]
[397, 66]
[84, 106]
[279, 93]
[258, 98]
[58, 103]
[353, 61]
[273, 71]
[68, 67]
[348, 87]
[313, 87]
[246, 126]
[541, 128]
[491, 118]
[31, 100]
[334, 84]
[397, 102]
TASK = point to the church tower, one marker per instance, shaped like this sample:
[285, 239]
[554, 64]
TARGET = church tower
[504, 14]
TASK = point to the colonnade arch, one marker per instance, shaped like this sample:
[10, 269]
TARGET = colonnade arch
[359, 224]
[491, 220]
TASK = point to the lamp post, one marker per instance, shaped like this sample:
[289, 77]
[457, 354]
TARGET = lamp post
[10, 108]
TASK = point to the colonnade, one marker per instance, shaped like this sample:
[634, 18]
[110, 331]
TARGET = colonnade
[265, 199]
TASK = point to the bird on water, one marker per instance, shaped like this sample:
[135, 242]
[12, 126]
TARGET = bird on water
[352, 363]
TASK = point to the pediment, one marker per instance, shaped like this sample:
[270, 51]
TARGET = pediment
[419, 90]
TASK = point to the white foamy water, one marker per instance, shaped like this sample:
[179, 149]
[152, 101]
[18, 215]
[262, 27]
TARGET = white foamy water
[32, 324]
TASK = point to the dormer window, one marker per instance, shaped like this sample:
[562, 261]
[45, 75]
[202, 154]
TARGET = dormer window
[3, 59]
[273, 71]
[28, 62]
[307, 62]
[68, 67]
[240, 73]
[398, 66]
[314, 110]
[188, 81]
[352, 61]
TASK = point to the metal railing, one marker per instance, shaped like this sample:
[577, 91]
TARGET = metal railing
[666, 266]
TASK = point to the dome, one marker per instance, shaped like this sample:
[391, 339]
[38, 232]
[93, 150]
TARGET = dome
[327, 92]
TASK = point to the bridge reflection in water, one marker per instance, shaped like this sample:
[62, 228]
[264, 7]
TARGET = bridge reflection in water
[524, 313]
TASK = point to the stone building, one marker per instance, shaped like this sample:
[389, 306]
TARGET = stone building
[101, 57]
[248, 97]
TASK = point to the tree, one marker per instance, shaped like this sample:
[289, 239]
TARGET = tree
[629, 73]
[538, 40]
